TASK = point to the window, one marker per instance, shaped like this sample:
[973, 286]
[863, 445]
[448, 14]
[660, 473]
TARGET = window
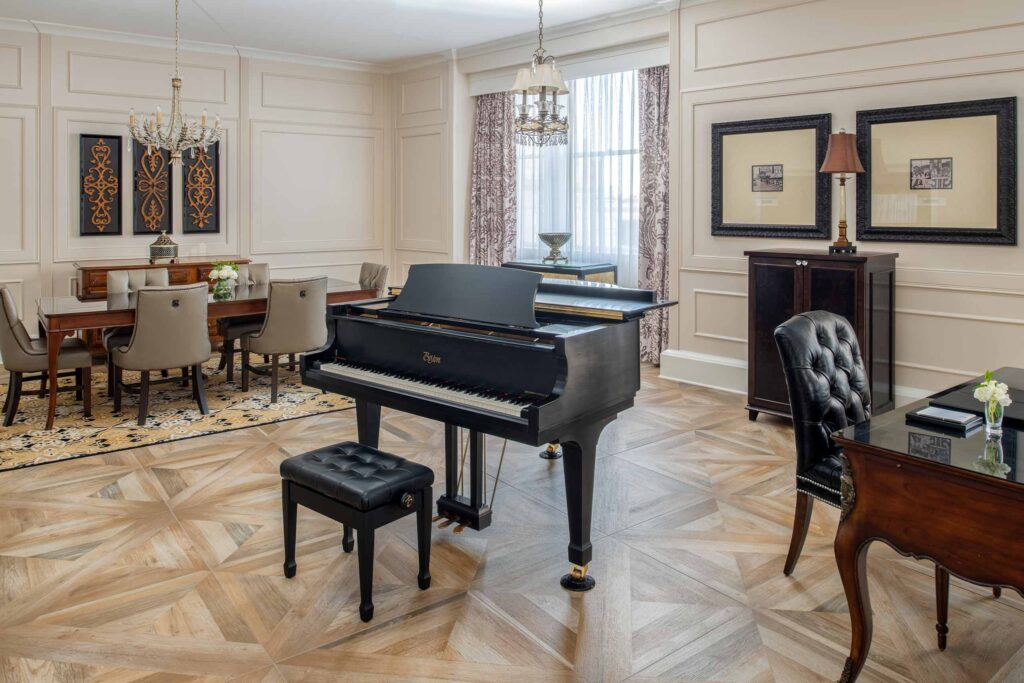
[590, 187]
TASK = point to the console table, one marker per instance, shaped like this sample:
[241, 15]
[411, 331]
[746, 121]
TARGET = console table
[595, 272]
[92, 275]
[955, 500]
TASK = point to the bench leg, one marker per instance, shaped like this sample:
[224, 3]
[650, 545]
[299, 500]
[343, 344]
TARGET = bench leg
[346, 539]
[423, 519]
[290, 510]
[365, 540]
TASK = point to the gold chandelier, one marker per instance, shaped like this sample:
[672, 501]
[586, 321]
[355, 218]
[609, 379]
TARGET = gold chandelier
[540, 120]
[180, 133]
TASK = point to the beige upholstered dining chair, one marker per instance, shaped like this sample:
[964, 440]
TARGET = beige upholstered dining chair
[170, 332]
[373, 276]
[296, 323]
[22, 355]
[231, 329]
[127, 282]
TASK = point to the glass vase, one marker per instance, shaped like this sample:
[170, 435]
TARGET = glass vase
[993, 419]
[222, 290]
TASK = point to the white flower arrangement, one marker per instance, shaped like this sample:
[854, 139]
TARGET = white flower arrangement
[224, 271]
[992, 392]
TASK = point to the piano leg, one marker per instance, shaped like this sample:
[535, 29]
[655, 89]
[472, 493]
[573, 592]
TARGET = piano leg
[368, 422]
[579, 455]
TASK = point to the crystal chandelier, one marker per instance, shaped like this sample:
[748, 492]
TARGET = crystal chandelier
[540, 119]
[180, 133]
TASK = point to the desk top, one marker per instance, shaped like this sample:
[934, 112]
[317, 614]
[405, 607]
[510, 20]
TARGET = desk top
[68, 305]
[890, 432]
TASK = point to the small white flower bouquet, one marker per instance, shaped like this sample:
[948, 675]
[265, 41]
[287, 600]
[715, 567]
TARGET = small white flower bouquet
[996, 397]
[224, 276]
[224, 271]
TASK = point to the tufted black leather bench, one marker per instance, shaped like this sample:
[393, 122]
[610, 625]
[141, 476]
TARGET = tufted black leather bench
[364, 489]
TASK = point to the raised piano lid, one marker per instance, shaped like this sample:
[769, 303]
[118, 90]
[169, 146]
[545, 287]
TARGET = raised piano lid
[488, 294]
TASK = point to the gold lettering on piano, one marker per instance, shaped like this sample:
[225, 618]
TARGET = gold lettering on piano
[431, 359]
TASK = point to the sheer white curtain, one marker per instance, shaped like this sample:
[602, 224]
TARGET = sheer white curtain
[591, 186]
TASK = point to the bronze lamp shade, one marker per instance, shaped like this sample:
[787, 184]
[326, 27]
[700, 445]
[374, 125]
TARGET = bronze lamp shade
[841, 157]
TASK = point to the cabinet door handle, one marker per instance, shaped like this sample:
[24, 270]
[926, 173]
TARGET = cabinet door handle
[798, 262]
[803, 263]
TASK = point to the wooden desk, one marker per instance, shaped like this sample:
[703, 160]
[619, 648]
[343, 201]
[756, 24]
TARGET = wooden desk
[60, 317]
[930, 496]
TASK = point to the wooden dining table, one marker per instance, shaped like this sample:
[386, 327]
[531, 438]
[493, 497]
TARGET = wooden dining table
[63, 316]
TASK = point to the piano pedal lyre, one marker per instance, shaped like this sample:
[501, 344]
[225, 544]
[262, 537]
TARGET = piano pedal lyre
[577, 580]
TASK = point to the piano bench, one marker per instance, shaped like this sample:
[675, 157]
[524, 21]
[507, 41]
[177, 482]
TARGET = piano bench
[364, 489]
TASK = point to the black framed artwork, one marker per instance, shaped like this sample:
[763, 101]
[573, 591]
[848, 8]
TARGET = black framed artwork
[943, 173]
[765, 180]
[151, 191]
[201, 185]
[99, 164]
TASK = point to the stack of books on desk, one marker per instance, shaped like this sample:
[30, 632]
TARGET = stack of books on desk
[946, 419]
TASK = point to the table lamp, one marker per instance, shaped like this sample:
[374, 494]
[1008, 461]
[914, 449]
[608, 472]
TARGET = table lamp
[841, 157]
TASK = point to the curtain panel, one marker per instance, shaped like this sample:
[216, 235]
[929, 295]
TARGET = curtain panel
[654, 95]
[492, 215]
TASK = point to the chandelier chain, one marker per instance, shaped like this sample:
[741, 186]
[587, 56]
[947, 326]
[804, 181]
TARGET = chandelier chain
[540, 27]
[177, 33]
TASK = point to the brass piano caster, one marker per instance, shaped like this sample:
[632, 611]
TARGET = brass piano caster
[552, 452]
[577, 579]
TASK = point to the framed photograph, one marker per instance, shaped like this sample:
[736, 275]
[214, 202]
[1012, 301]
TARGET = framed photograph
[910, 154]
[200, 205]
[765, 180]
[99, 164]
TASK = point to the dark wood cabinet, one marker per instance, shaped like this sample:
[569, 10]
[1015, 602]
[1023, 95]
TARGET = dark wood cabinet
[784, 282]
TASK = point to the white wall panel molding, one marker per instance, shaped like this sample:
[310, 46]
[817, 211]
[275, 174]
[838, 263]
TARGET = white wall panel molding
[100, 75]
[311, 94]
[818, 37]
[68, 245]
[315, 188]
[19, 67]
[422, 211]
[421, 96]
[19, 185]
[719, 314]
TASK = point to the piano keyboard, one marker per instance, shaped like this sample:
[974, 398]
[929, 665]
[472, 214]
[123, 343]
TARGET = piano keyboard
[470, 397]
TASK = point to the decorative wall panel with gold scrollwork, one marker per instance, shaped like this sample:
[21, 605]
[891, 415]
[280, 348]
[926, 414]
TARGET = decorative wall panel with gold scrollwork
[100, 201]
[151, 191]
[201, 181]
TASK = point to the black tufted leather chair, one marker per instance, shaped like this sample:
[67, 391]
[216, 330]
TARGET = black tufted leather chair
[828, 390]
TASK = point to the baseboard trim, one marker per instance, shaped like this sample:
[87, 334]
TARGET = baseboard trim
[730, 374]
[705, 370]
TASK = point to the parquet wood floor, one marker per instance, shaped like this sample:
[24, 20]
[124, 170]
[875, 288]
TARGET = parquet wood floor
[164, 564]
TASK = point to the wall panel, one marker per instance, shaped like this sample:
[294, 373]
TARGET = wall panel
[875, 55]
[315, 188]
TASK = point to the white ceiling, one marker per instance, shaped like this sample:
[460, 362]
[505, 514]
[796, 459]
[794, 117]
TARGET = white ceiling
[364, 30]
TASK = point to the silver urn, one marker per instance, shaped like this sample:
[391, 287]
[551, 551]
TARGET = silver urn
[555, 241]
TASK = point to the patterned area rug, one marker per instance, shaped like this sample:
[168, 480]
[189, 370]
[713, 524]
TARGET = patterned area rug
[173, 415]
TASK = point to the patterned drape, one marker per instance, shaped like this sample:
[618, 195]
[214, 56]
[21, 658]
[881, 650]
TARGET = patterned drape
[654, 97]
[492, 214]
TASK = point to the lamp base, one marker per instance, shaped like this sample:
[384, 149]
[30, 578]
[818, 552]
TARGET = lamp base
[842, 249]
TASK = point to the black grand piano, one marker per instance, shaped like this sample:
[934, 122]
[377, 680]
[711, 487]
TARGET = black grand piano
[496, 351]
